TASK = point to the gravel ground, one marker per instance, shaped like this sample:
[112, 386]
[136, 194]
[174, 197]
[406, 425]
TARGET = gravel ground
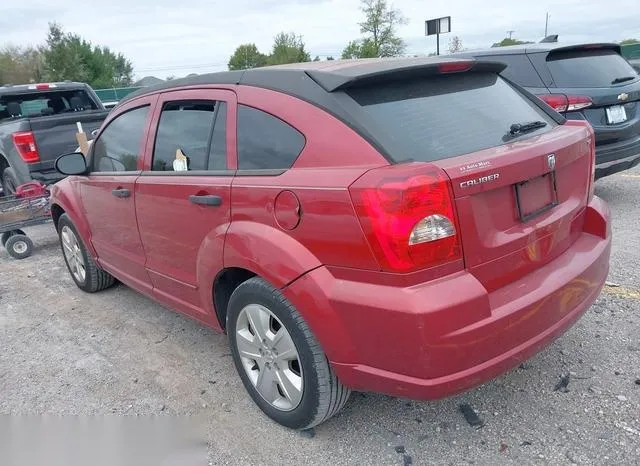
[66, 352]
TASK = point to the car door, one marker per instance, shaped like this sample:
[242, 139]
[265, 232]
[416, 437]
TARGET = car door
[183, 196]
[115, 161]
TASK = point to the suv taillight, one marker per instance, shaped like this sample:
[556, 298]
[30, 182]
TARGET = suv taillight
[26, 146]
[566, 103]
[408, 216]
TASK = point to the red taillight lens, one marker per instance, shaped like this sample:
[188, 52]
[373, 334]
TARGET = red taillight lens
[455, 67]
[26, 146]
[566, 103]
[408, 217]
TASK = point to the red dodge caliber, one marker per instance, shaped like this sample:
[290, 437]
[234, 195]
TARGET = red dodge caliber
[413, 227]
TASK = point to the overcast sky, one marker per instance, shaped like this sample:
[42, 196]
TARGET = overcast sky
[162, 38]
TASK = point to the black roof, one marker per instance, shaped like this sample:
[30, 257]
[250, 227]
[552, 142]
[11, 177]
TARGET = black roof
[532, 48]
[315, 82]
[303, 79]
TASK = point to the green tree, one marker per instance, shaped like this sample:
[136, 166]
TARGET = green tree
[380, 31]
[288, 48]
[68, 56]
[247, 56]
[20, 65]
[629, 42]
[508, 41]
[330, 58]
[317, 58]
[359, 49]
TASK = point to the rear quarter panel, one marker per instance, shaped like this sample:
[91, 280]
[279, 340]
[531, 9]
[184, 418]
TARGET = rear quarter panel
[8, 150]
[328, 231]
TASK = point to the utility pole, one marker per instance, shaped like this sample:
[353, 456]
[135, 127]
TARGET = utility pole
[546, 25]
[510, 33]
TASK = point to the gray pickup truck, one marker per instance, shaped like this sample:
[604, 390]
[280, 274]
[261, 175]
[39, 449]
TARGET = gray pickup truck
[38, 123]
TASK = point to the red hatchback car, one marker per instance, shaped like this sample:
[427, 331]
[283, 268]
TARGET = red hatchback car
[407, 226]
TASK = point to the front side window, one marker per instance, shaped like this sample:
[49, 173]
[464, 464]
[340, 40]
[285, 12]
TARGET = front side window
[191, 137]
[119, 146]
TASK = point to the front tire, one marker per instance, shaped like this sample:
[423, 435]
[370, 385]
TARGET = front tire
[83, 269]
[279, 360]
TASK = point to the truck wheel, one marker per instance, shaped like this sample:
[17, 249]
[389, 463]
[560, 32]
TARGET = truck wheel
[83, 269]
[8, 234]
[279, 360]
[19, 246]
[9, 182]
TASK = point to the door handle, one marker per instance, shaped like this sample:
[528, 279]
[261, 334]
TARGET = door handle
[211, 200]
[121, 192]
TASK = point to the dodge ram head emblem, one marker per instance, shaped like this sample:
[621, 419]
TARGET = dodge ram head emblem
[624, 96]
[551, 161]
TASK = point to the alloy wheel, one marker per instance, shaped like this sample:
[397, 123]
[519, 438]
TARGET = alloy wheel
[73, 254]
[269, 357]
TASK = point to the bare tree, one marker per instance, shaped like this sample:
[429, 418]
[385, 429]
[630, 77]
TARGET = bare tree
[455, 45]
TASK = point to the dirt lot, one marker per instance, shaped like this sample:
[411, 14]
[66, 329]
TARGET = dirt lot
[66, 352]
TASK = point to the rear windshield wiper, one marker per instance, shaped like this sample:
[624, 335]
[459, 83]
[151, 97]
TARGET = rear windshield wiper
[623, 79]
[517, 129]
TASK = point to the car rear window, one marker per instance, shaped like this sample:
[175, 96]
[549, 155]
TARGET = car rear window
[445, 116]
[587, 68]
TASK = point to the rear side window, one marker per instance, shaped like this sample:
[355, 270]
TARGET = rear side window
[265, 141]
[117, 149]
[186, 128]
[587, 68]
[519, 69]
[446, 116]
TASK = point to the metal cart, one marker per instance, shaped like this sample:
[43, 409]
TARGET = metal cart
[29, 206]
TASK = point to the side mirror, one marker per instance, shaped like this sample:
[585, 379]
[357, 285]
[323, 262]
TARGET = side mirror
[71, 164]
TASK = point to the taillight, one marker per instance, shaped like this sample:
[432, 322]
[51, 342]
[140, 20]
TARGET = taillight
[26, 146]
[566, 103]
[407, 215]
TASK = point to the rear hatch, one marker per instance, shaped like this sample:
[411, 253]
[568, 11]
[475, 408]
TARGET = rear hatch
[599, 79]
[519, 191]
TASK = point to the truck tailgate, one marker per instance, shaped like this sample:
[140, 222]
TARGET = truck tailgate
[56, 135]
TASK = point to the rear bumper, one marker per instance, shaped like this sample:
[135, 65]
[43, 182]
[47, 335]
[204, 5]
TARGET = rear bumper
[448, 335]
[614, 158]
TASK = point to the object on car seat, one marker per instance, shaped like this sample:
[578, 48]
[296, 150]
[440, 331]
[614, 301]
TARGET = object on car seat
[76, 104]
[14, 109]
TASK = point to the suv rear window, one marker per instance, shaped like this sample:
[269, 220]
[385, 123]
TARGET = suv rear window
[587, 68]
[446, 116]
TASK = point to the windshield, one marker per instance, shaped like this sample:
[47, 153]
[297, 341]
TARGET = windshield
[36, 104]
[588, 68]
[448, 115]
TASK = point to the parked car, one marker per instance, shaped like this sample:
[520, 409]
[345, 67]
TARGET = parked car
[37, 124]
[407, 226]
[589, 82]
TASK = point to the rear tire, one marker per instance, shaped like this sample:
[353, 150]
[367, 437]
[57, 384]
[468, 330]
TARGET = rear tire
[9, 182]
[83, 269]
[256, 308]
[19, 246]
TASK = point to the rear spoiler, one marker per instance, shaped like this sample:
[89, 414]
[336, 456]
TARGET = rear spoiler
[385, 70]
[582, 47]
